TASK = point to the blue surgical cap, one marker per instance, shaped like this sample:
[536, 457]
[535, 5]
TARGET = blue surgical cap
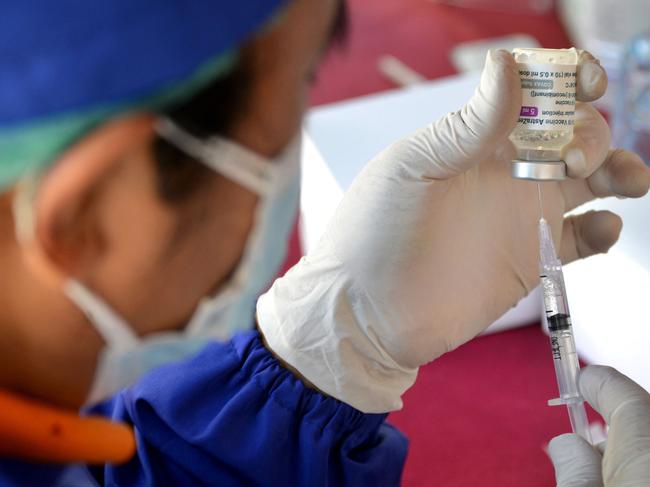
[66, 65]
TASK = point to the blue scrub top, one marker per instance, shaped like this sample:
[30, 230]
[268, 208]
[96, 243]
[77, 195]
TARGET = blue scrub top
[232, 415]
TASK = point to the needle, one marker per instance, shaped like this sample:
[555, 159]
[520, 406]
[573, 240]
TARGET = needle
[539, 196]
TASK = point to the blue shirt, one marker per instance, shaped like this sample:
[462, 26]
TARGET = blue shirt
[232, 415]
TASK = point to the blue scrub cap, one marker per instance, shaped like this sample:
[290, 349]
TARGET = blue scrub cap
[66, 65]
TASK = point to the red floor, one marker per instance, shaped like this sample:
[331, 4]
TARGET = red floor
[478, 415]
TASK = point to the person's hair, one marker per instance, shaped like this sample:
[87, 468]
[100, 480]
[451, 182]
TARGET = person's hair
[211, 112]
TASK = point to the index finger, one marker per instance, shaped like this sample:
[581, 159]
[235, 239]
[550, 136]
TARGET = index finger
[625, 406]
[616, 397]
[591, 77]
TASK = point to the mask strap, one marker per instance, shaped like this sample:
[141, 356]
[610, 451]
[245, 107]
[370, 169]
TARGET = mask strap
[23, 207]
[112, 327]
[230, 159]
[108, 324]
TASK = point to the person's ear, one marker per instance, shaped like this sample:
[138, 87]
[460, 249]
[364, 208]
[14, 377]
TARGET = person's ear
[66, 235]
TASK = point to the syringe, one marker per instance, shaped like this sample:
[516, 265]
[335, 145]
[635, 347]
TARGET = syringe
[563, 345]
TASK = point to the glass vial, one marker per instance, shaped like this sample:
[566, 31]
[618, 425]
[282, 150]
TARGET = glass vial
[545, 126]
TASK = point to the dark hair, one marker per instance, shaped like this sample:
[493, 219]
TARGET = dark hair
[212, 111]
[340, 28]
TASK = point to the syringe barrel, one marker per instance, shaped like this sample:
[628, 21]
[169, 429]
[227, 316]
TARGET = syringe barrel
[567, 366]
[565, 357]
[558, 320]
[554, 293]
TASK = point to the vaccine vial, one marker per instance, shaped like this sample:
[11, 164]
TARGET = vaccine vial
[547, 115]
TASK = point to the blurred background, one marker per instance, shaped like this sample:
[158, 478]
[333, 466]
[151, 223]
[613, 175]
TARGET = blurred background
[478, 415]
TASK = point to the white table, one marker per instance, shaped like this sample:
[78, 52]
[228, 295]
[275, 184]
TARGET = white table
[608, 294]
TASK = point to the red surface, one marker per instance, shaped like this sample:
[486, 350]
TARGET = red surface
[476, 416]
[419, 32]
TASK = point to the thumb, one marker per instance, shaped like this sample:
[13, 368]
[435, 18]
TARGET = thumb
[462, 139]
[588, 234]
[576, 463]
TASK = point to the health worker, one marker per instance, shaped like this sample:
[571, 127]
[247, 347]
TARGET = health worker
[149, 179]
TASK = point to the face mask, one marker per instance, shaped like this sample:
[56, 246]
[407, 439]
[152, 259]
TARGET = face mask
[126, 356]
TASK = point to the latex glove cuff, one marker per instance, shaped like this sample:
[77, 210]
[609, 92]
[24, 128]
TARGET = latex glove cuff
[317, 321]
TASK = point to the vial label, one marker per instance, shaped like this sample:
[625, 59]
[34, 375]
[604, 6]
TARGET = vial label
[548, 96]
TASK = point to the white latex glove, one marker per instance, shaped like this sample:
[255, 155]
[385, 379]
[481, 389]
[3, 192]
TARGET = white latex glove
[624, 459]
[435, 240]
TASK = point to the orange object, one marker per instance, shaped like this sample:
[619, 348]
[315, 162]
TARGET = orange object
[31, 430]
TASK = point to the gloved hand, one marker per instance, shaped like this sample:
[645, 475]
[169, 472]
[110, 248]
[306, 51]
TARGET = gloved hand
[435, 240]
[624, 459]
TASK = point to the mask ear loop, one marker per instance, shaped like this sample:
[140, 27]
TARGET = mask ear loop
[112, 327]
[23, 207]
[230, 159]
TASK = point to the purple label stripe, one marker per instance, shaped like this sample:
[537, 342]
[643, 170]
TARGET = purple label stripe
[528, 112]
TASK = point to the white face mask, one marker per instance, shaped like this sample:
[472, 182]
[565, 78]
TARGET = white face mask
[126, 356]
